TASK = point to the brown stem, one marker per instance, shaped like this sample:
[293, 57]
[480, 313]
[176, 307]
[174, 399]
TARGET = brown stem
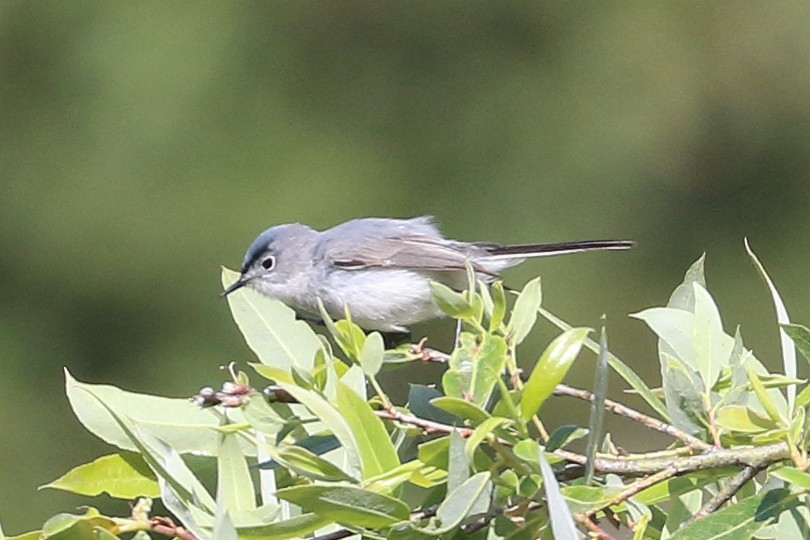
[727, 492]
[649, 421]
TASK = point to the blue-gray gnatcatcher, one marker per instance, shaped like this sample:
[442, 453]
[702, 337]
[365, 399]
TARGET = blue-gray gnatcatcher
[379, 268]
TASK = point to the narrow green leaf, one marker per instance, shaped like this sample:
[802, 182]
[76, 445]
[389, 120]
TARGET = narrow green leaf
[563, 435]
[223, 526]
[800, 335]
[420, 403]
[498, 306]
[32, 535]
[482, 432]
[675, 327]
[272, 373]
[621, 368]
[562, 523]
[743, 419]
[377, 452]
[348, 505]
[788, 350]
[683, 391]
[461, 501]
[371, 356]
[458, 469]
[524, 313]
[675, 487]
[794, 476]
[551, 369]
[597, 415]
[234, 485]
[181, 424]
[335, 421]
[683, 297]
[307, 464]
[461, 408]
[70, 526]
[452, 303]
[741, 520]
[184, 488]
[270, 328]
[766, 401]
[123, 476]
[804, 397]
[712, 345]
[295, 527]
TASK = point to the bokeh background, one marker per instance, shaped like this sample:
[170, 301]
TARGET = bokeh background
[143, 145]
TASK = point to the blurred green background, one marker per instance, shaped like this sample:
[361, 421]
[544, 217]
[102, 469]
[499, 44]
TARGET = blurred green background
[143, 145]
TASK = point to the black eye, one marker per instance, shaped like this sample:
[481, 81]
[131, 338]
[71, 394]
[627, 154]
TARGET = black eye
[268, 262]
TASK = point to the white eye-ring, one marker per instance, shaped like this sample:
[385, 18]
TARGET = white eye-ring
[268, 262]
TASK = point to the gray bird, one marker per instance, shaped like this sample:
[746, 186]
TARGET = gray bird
[379, 268]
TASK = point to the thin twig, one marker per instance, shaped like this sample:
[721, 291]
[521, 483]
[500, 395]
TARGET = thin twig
[587, 521]
[649, 421]
[726, 492]
[637, 487]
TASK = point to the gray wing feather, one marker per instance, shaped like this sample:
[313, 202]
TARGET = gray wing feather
[414, 244]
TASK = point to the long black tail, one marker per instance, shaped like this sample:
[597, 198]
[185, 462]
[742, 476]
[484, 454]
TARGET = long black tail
[557, 248]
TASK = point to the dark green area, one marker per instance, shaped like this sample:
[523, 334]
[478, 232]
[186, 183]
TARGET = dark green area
[144, 144]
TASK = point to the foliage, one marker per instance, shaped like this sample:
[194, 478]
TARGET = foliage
[314, 455]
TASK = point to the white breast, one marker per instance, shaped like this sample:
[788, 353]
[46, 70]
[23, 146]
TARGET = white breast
[378, 298]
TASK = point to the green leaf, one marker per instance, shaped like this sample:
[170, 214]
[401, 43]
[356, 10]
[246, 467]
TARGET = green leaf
[32, 535]
[498, 306]
[223, 526]
[792, 475]
[371, 355]
[123, 476]
[76, 526]
[765, 399]
[551, 369]
[334, 420]
[527, 450]
[621, 368]
[804, 397]
[563, 435]
[460, 408]
[348, 505]
[296, 527]
[562, 523]
[458, 463]
[183, 490]
[788, 350]
[712, 345]
[683, 297]
[741, 520]
[675, 487]
[582, 498]
[420, 403]
[234, 485]
[800, 335]
[682, 392]
[181, 424]
[270, 328]
[462, 501]
[377, 452]
[597, 415]
[474, 367]
[482, 432]
[307, 464]
[524, 313]
[452, 303]
[743, 419]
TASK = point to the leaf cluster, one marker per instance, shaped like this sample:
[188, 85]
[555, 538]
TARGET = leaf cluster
[324, 452]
